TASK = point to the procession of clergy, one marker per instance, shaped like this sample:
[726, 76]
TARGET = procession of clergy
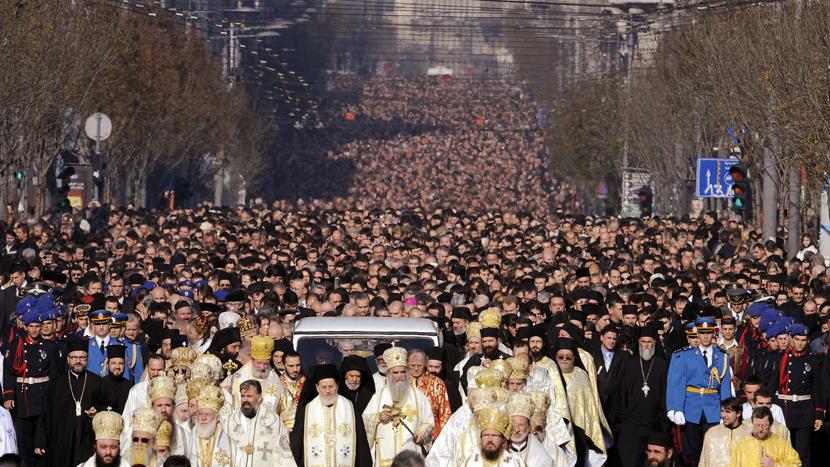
[534, 404]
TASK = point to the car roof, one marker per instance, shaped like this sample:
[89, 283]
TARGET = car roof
[364, 325]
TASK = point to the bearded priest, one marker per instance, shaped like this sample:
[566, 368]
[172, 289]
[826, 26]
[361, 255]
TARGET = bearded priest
[327, 432]
[258, 437]
[494, 426]
[209, 445]
[399, 416]
[258, 368]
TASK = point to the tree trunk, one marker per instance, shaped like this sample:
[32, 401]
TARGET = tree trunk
[794, 213]
[770, 195]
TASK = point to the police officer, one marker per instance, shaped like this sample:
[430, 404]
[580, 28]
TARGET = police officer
[798, 391]
[699, 379]
[30, 362]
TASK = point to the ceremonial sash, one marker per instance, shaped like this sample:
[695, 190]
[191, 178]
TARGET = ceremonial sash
[329, 438]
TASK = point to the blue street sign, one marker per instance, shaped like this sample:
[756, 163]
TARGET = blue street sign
[713, 179]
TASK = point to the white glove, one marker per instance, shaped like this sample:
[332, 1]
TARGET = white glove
[679, 418]
[670, 414]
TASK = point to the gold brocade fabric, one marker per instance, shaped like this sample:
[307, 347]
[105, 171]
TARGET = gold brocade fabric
[718, 441]
[436, 391]
[206, 446]
[288, 400]
[591, 369]
[585, 412]
[748, 451]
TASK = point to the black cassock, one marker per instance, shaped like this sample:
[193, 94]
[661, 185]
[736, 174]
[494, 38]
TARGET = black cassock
[636, 414]
[68, 438]
[118, 389]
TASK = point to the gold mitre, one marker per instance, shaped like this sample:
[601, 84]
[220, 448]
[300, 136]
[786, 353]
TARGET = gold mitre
[395, 357]
[520, 405]
[146, 419]
[107, 425]
[518, 368]
[474, 330]
[182, 357]
[247, 328]
[210, 397]
[493, 418]
[262, 347]
[501, 366]
[502, 395]
[160, 387]
[490, 318]
[213, 364]
[194, 386]
[489, 378]
[541, 402]
[164, 435]
[482, 399]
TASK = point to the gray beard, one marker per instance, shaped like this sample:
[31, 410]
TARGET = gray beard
[328, 400]
[206, 431]
[260, 375]
[397, 390]
[353, 387]
[646, 354]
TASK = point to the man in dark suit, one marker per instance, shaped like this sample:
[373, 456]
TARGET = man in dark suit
[9, 296]
[607, 359]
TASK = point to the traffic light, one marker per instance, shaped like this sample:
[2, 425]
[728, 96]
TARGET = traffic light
[646, 200]
[741, 191]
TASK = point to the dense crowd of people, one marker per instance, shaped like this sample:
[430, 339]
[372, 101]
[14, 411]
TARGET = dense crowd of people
[138, 337]
[401, 142]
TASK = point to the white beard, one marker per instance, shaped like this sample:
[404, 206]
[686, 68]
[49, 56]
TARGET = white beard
[646, 354]
[519, 438]
[206, 430]
[353, 387]
[260, 375]
[397, 390]
[328, 400]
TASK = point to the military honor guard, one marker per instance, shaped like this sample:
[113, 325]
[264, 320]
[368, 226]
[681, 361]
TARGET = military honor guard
[699, 379]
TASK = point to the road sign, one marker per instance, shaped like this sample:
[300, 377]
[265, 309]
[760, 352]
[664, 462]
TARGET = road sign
[713, 179]
[633, 180]
[98, 126]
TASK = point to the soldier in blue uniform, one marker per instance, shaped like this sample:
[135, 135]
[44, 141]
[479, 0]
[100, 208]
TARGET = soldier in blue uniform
[100, 322]
[796, 384]
[699, 379]
[30, 363]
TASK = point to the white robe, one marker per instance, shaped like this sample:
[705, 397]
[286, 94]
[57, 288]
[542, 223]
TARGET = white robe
[268, 437]
[329, 437]
[535, 454]
[8, 440]
[221, 450]
[136, 399]
[507, 459]
[271, 387]
[441, 452]
[386, 440]
[380, 381]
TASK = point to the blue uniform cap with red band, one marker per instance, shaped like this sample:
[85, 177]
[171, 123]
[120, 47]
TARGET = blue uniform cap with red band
[690, 329]
[100, 316]
[705, 324]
